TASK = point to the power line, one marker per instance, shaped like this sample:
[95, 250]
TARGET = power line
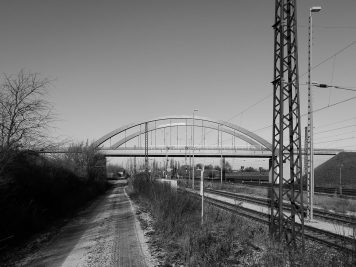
[348, 126]
[332, 77]
[266, 127]
[314, 67]
[348, 146]
[332, 105]
[314, 111]
[330, 57]
[328, 27]
[320, 63]
[328, 136]
[251, 106]
[335, 140]
[336, 122]
[340, 88]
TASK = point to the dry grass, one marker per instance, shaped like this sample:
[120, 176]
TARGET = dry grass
[223, 240]
[237, 188]
[335, 203]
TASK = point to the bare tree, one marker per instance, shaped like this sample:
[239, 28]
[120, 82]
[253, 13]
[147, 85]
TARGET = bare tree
[25, 114]
[85, 161]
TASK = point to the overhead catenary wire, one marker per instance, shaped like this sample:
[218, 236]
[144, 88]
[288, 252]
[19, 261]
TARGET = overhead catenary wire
[335, 129]
[328, 27]
[345, 146]
[329, 136]
[332, 105]
[314, 67]
[251, 106]
[333, 56]
[336, 140]
[337, 87]
[314, 111]
[246, 109]
[332, 77]
[337, 122]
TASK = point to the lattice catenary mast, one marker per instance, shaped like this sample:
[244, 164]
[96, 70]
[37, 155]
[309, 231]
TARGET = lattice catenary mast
[286, 226]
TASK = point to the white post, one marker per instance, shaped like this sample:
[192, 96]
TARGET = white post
[202, 194]
[193, 153]
[221, 160]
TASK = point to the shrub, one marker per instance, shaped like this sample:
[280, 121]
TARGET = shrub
[37, 191]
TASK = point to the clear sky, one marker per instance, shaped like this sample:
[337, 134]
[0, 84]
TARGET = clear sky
[115, 62]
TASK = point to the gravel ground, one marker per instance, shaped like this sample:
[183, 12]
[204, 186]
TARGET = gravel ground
[107, 233]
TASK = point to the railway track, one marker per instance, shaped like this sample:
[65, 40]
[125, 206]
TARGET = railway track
[342, 243]
[346, 192]
[329, 191]
[320, 214]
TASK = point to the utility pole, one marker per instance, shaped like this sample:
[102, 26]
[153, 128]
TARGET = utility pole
[307, 171]
[310, 137]
[221, 159]
[202, 193]
[287, 226]
[340, 189]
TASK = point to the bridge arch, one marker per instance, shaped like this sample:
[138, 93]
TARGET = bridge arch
[224, 126]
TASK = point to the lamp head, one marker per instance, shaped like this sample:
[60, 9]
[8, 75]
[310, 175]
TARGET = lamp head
[315, 9]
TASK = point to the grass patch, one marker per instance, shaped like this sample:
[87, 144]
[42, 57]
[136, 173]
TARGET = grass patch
[335, 203]
[257, 191]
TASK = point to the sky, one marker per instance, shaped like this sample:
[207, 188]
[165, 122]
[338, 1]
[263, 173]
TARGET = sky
[113, 62]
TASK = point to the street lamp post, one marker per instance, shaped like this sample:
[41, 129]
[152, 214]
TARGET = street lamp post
[193, 147]
[310, 118]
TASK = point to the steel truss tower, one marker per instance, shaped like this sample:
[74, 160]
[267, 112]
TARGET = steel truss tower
[286, 226]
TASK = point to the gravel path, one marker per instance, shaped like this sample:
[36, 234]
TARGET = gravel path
[105, 234]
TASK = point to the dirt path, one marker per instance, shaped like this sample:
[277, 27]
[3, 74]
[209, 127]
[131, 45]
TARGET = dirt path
[105, 234]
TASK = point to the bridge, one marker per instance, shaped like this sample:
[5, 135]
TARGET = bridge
[211, 152]
[172, 136]
[181, 136]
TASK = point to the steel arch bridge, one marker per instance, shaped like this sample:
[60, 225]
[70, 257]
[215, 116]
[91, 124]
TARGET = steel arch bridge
[123, 137]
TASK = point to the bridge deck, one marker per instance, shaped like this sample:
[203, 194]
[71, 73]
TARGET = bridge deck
[199, 152]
